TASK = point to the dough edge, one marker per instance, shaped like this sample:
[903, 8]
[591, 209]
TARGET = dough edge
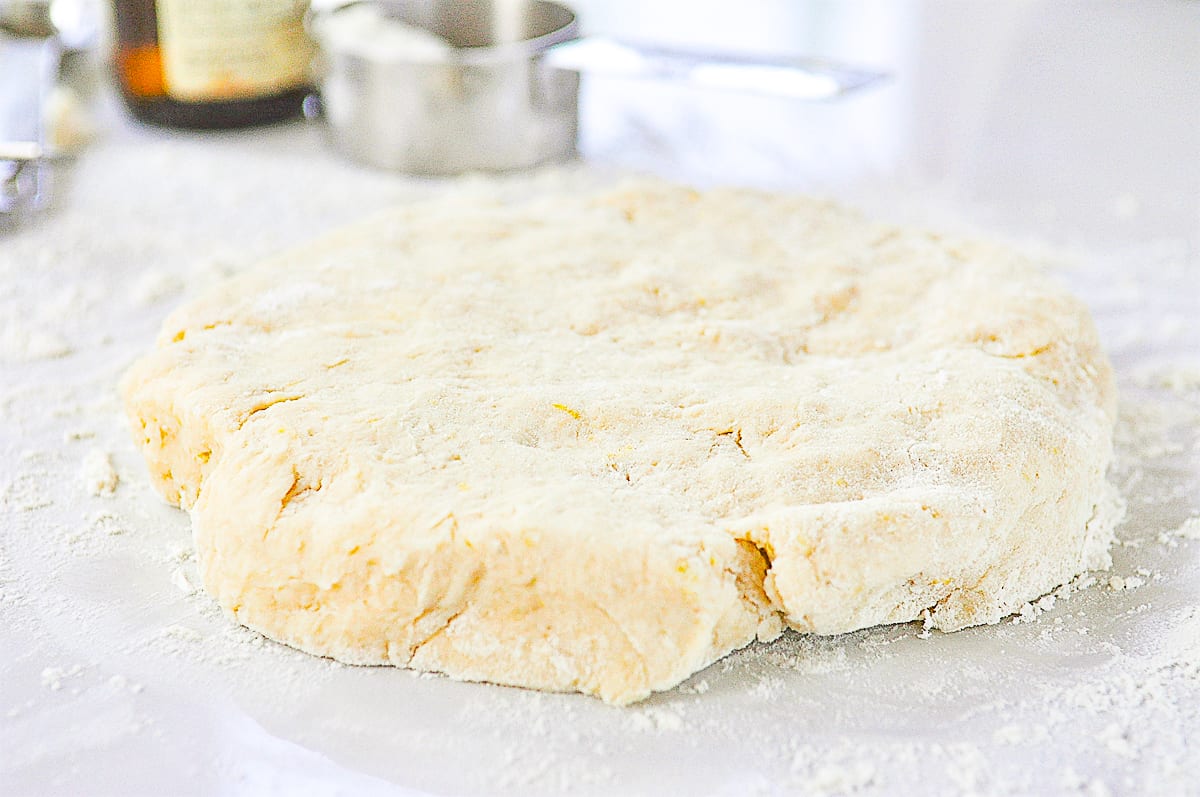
[728, 593]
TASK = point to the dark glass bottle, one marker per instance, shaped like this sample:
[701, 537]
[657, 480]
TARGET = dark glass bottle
[212, 63]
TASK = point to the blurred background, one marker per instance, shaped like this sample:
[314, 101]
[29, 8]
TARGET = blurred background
[1078, 116]
[1081, 118]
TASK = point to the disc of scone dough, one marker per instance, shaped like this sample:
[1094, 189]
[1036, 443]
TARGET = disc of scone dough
[595, 441]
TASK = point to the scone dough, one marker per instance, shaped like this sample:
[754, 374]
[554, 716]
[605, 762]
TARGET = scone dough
[595, 442]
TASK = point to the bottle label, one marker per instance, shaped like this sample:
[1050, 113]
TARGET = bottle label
[232, 49]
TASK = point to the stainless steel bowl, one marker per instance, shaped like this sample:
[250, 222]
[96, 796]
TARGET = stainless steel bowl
[486, 102]
[439, 87]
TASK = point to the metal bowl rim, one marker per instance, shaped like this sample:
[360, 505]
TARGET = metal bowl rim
[466, 56]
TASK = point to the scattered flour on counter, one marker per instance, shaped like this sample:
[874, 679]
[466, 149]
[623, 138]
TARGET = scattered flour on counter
[1121, 583]
[1116, 740]
[27, 492]
[1189, 529]
[1035, 609]
[182, 633]
[1016, 734]
[1180, 379]
[53, 677]
[99, 476]
[153, 286]
[832, 780]
[121, 682]
[1074, 783]
[107, 523]
[659, 720]
[20, 344]
[818, 773]
[180, 555]
[182, 582]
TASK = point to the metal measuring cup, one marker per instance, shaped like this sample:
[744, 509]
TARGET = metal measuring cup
[493, 85]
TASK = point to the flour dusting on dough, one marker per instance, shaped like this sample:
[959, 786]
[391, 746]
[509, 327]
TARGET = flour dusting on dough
[595, 442]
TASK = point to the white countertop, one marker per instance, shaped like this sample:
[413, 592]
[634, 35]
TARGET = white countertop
[1070, 127]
